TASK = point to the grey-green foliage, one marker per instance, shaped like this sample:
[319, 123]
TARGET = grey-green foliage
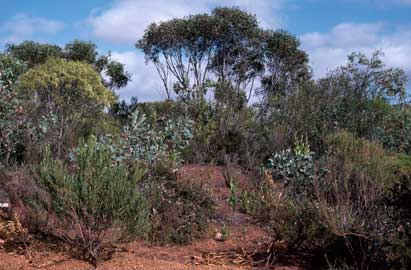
[146, 142]
[233, 199]
[395, 132]
[91, 196]
[295, 167]
[227, 46]
[11, 119]
[15, 120]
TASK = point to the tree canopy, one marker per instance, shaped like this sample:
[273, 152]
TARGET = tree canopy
[226, 47]
[34, 53]
[64, 92]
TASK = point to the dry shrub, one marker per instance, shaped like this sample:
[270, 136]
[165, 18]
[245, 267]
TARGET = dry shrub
[22, 190]
[345, 216]
[351, 198]
[353, 189]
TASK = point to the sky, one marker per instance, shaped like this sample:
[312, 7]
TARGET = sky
[329, 30]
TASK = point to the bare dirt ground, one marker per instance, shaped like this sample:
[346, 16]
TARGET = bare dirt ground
[207, 253]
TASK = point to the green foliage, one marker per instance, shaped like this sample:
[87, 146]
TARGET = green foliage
[83, 51]
[395, 133]
[343, 213]
[11, 119]
[335, 191]
[33, 53]
[297, 223]
[398, 195]
[60, 81]
[95, 200]
[295, 168]
[227, 45]
[358, 172]
[286, 64]
[233, 198]
[86, 51]
[143, 141]
[355, 97]
[354, 203]
[181, 210]
[100, 124]
[229, 131]
[64, 94]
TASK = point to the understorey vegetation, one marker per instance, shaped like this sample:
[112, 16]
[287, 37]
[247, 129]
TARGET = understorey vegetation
[329, 159]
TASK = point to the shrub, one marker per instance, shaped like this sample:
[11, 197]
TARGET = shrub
[335, 206]
[353, 203]
[12, 121]
[358, 170]
[181, 209]
[296, 222]
[94, 200]
[399, 199]
[144, 142]
[395, 133]
[236, 132]
[295, 168]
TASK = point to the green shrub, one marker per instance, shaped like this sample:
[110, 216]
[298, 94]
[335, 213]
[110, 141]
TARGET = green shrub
[181, 210]
[295, 168]
[335, 206]
[399, 199]
[295, 222]
[395, 133]
[93, 200]
[145, 142]
[12, 120]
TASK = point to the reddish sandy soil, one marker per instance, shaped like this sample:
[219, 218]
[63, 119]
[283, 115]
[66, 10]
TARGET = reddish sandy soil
[244, 237]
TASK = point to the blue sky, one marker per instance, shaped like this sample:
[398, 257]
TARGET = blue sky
[328, 30]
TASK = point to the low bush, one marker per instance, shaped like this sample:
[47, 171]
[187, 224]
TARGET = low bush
[294, 168]
[398, 243]
[357, 172]
[180, 209]
[295, 222]
[335, 206]
[93, 201]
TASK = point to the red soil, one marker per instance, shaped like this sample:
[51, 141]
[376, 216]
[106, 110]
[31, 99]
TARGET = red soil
[243, 236]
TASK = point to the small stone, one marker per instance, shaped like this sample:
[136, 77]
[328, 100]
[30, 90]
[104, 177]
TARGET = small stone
[219, 237]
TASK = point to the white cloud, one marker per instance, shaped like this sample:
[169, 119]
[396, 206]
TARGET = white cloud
[326, 51]
[329, 50]
[22, 27]
[125, 21]
[145, 83]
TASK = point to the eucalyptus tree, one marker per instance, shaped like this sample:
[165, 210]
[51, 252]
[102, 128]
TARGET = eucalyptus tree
[361, 97]
[113, 73]
[226, 51]
[198, 51]
[65, 93]
[181, 50]
[239, 56]
[33, 53]
[286, 65]
[360, 90]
